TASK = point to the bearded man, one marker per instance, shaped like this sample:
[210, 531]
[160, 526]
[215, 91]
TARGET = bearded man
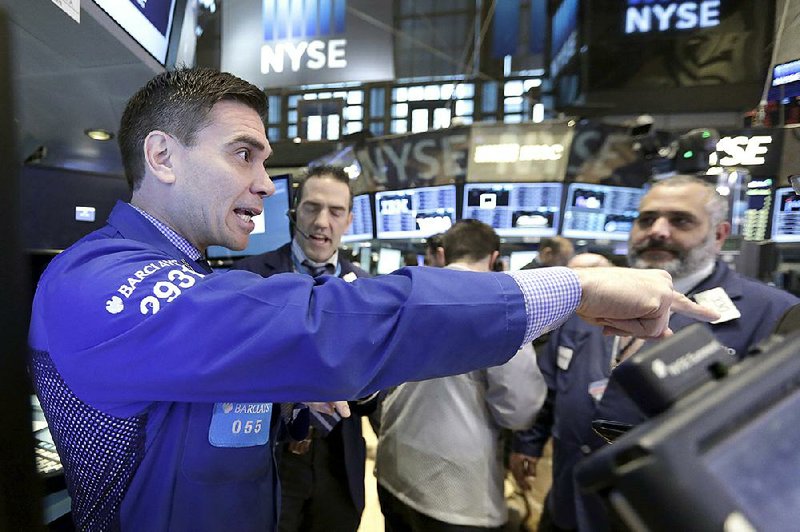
[681, 227]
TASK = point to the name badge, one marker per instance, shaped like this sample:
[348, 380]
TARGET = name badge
[564, 357]
[717, 299]
[597, 389]
[240, 424]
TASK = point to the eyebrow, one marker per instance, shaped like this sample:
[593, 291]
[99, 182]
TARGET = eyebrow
[249, 140]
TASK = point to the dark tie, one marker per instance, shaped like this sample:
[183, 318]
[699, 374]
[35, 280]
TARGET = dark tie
[316, 271]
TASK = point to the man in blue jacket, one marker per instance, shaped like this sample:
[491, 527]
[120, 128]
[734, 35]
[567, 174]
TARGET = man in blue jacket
[681, 227]
[158, 377]
[322, 476]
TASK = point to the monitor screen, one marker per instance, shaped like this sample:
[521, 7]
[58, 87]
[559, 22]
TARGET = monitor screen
[415, 212]
[755, 219]
[786, 216]
[362, 226]
[389, 260]
[515, 209]
[149, 23]
[604, 212]
[272, 225]
[518, 259]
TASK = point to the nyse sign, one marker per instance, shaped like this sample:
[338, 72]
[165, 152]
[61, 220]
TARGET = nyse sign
[646, 16]
[273, 57]
[742, 150]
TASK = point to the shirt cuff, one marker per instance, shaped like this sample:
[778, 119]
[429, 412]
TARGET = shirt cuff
[551, 296]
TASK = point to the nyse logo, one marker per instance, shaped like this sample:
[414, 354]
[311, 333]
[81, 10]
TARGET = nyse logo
[645, 16]
[298, 32]
[741, 151]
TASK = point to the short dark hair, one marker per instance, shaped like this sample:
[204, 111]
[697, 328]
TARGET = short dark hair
[555, 243]
[434, 242]
[321, 171]
[469, 239]
[178, 102]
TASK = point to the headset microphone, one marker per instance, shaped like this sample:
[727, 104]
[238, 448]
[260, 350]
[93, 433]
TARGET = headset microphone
[292, 214]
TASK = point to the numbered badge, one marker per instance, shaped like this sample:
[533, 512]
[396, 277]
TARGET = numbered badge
[240, 424]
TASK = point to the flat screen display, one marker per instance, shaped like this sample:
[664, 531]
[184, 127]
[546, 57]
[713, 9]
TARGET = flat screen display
[415, 212]
[272, 225]
[786, 216]
[515, 209]
[755, 219]
[603, 212]
[518, 259]
[149, 22]
[362, 227]
[389, 260]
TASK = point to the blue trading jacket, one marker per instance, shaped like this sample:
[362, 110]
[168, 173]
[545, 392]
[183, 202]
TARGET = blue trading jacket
[157, 379]
[578, 357]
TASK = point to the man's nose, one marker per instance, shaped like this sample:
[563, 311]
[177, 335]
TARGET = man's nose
[263, 185]
[661, 228]
[323, 217]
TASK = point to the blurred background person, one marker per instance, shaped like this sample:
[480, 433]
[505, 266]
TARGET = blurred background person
[553, 251]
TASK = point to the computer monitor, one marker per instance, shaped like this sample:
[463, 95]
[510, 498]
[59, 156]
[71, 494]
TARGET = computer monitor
[149, 23]
[786, 216]
[515, 209]
[363, 225]
[603, 212]
[416, 212]
[389, 260]
[518, 259]
[758, 203]
[272, 225]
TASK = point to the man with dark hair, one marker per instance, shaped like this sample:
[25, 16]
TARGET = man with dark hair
[681, 228]
[553, 251]
[158, 377]
[322, 476]
[439, 461]
[434, 252]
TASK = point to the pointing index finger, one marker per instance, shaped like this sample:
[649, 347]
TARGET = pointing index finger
[683, 305]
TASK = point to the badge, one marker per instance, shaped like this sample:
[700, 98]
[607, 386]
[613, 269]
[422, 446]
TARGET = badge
[597, 389]
[349, 277]
[240, 424]
[564, 358]
[717, 299]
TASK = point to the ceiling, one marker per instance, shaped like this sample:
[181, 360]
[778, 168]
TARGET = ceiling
[69, 77]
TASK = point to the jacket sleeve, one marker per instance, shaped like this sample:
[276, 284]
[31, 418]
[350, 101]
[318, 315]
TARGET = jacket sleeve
[515, 390]
[151, 329]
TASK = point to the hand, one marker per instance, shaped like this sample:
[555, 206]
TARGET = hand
[341, 407]
[522, 468]
[631, 302]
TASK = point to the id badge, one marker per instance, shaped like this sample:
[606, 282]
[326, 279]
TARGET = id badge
[240, 424]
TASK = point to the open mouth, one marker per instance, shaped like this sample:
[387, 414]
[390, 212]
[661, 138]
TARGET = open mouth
[245, 214]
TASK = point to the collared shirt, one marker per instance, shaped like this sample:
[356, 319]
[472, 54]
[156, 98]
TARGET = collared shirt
[177, 240]
[299, 258]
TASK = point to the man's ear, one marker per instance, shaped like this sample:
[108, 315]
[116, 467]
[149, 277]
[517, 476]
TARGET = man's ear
[722, 232]
[159, 154]
[492, 259]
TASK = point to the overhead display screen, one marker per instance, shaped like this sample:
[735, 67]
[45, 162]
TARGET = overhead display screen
[415, 212]
[786, 216]
[149, 22]
[602, 212]
[362, 226]
[515, 209]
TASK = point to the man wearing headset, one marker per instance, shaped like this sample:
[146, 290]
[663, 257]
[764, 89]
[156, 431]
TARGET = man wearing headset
[322, 476]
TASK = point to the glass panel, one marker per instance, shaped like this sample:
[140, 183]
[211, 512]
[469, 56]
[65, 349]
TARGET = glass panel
[353, 112]
[432, 92]
[376, 103]
[310, 96]
[464, 107]
[355, 97]
[441, 118]
[400, 110]
[325, 95]
[274, 133]
[293, 99]
[314, 127]
[400, 94]
[533, 82]
[291, 131]
[513, 119]
[274, 113]
[465, 90]
[489, 104]
[416, 94]
[447, 91]
[333, 127]
[513, 88]
[292, 117]
[353, 127]
[399, 126]
[376, 128]
[419, 120]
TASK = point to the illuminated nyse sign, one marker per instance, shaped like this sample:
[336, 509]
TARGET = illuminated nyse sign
[741, 151]
[296, 28]
[513, 152]
[646, 16]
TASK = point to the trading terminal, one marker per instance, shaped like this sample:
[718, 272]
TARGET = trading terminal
[539, 118]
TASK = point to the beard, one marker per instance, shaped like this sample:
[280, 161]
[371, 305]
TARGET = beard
[685, 263]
